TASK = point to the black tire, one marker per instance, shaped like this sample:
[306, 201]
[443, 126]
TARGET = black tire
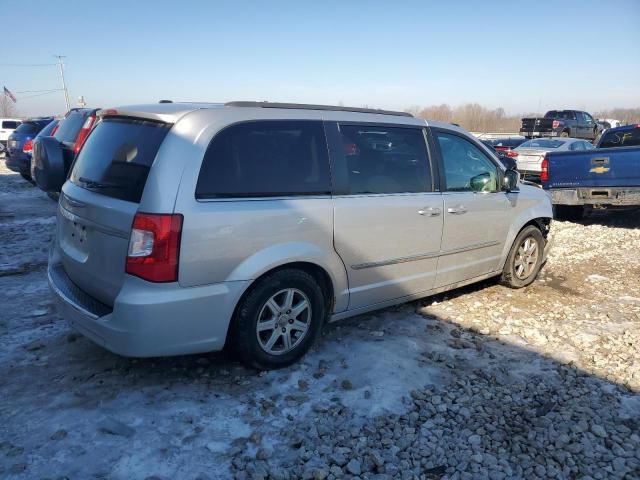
[510, 277]
[571, 213]
[564, 134]
[244, 337]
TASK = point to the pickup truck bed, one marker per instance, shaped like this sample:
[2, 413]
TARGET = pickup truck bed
[602, 177]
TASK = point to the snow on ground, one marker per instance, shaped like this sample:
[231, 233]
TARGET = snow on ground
[484, 382]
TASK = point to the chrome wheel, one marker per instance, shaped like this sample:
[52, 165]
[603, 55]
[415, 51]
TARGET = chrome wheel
[283, 321]
[526, 258]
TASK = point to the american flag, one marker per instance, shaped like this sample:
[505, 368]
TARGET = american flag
[8, 93]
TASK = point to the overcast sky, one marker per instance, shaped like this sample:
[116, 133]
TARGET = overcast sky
[523, 56]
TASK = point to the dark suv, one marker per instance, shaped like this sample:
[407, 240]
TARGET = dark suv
[20, 145]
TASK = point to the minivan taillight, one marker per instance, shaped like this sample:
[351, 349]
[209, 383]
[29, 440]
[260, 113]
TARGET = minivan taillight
[544, 170]
[28, 146]
[154, 247]
[83, 133]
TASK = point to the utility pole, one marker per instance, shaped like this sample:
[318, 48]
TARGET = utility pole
[64, 85]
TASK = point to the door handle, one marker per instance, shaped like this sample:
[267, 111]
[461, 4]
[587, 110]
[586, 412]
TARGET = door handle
[457, 210]
[429, 211]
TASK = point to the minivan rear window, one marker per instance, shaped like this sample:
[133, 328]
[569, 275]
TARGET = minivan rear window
[117, 156]
[70, 126]
[266, 158]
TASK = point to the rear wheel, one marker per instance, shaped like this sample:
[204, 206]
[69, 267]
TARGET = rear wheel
[525, 258]
[278, 320]
[571, 213]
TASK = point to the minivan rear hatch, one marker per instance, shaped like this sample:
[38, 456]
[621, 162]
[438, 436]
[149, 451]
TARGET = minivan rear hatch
[100, 200]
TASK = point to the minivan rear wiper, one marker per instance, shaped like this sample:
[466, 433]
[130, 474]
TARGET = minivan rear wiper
[93, 184]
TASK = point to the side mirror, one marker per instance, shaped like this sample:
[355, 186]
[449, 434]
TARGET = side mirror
[47, 165]
[479, 182]
[510, 180]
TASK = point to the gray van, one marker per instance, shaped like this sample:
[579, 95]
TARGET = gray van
[182, 227]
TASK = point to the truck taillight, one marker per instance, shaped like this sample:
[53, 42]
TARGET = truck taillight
[28, 146]
[83, 133]
[154, 247]
[544, 170]
[555, 124]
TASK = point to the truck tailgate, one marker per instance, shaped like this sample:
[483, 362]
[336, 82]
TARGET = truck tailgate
[607, 167]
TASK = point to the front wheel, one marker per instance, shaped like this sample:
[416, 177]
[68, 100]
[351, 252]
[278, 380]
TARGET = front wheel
[278, 320]
[525, 258]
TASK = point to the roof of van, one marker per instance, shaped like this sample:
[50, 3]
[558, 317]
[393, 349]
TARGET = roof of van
[171, 112]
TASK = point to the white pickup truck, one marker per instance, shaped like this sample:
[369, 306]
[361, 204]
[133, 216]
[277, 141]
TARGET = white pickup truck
[7, 126]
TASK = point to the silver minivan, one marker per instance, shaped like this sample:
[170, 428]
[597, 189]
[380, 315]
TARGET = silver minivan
[185, 227]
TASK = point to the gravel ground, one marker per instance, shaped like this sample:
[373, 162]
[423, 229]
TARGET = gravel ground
[484, 382]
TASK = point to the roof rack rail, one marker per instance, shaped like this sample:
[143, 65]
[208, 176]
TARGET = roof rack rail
[304, 106]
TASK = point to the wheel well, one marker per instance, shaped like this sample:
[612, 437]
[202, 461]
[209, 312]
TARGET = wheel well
[542, 223]
[316, 271]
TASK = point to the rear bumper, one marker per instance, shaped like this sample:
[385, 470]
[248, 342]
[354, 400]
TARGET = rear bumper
[150, 320]
[538, 133]
[20, 163]
[613, 196]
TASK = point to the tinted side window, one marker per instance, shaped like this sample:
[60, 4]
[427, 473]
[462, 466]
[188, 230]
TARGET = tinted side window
[266, 158]
[466, 168]
[10, 124]
[381, 159]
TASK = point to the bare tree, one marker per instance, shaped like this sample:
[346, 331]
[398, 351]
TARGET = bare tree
[7, 107]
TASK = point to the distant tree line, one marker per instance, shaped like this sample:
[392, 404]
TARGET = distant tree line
[476, 118]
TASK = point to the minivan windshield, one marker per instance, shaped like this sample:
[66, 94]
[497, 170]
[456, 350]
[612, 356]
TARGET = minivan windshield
[117, 156]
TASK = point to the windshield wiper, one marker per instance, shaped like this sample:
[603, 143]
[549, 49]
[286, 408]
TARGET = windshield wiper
[88, 183]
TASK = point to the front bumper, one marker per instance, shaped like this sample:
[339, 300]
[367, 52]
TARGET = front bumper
[147, 319]
[612, 196]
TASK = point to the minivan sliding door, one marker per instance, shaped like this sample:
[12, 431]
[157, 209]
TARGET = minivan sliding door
[387, 214]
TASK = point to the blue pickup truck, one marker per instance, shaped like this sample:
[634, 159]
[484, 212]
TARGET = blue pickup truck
[608, 176]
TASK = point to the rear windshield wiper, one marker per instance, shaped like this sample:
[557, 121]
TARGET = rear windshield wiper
[93, 184]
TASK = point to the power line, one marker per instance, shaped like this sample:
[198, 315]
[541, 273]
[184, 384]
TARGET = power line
[38, 94]
[38, 91]
[28, 64]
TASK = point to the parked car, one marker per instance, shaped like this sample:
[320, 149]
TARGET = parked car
[506, 158]
[530, 154]
[69, 135]
[608, 176]
[561, 123]
[7, 126]
[20, 145]
[185, 226]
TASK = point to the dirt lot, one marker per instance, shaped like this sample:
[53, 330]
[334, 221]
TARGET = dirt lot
[484, 382]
